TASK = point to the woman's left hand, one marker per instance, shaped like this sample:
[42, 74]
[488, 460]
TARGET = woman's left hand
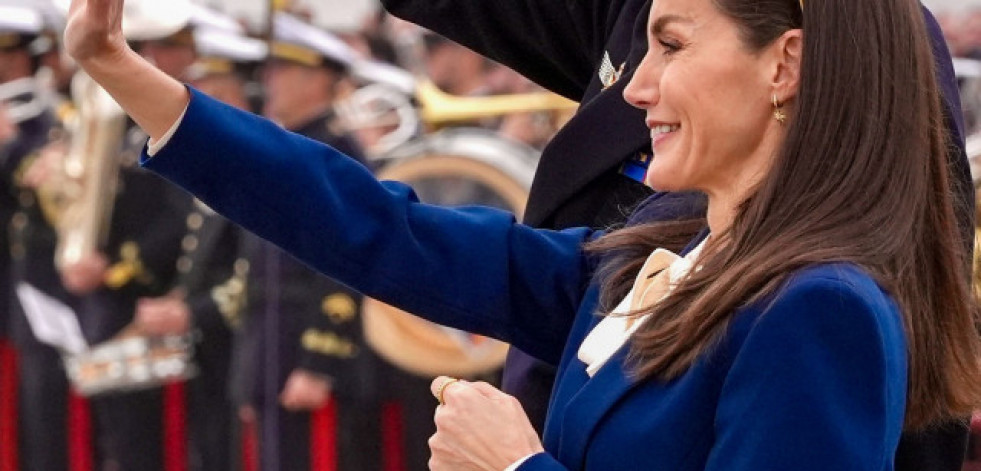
[478, 427]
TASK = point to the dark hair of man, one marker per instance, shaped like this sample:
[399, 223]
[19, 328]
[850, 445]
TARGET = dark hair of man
[862, 177]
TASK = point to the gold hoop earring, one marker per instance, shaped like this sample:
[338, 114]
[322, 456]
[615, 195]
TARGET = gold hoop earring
[778, 112]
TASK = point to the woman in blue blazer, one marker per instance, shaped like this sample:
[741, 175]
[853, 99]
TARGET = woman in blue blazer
[826, 310]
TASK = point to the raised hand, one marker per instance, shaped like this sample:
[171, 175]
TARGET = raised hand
[95, 30]
[94, 37]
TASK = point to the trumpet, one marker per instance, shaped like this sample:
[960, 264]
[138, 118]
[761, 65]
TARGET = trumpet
[12, 97]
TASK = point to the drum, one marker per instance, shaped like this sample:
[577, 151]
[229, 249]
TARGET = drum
[454, 167]
[130, 363]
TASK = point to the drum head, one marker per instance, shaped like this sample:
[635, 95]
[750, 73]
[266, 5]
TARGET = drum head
[448, 178]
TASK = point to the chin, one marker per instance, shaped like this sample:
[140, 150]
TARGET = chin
[661, 180]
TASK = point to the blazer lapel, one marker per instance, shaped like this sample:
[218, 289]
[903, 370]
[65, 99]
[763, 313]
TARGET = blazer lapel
[590, 399]
[586, 409]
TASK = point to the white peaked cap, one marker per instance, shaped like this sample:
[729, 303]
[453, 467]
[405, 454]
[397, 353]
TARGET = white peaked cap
[227, 45]
[20, 19]
[292, 30]
[206, 18]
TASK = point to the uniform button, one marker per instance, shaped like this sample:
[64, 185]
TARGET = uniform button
[241, 267]
[19, 221]
[189, 243]
[17, 251]
[184, 264]
[194, 221]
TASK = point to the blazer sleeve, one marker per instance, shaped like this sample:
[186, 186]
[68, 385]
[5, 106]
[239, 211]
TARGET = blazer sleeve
[557, 44]
[471, 268]
[819, 383]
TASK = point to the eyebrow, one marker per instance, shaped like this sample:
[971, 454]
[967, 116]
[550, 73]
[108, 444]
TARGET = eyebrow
[663, 21]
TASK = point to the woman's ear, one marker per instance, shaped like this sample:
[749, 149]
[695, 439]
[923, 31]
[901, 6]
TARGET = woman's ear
[787, 51]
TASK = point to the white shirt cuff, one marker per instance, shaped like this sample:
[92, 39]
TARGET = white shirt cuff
[514, 466]
[155, 146]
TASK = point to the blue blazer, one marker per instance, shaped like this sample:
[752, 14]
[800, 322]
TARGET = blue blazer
[812, 378]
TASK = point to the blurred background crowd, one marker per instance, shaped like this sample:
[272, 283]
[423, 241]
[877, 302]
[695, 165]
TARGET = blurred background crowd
[142, 332]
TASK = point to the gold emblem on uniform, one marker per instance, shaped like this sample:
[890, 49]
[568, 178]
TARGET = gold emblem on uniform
[339, 307]
[327, 343]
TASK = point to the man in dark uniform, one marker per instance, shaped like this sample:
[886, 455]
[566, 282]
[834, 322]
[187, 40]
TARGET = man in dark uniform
[43, 387]
[20, 30]
[210, 284]
[302, 328]
[589, 174]
[137, 261]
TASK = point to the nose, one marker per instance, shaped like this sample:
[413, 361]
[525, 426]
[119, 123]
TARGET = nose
[643, 91]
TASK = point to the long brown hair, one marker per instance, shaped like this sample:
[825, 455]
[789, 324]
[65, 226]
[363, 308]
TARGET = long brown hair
[862, 177]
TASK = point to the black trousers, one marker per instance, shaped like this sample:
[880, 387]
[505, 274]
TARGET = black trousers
[43, 404]
[129, 430]
[284, 440]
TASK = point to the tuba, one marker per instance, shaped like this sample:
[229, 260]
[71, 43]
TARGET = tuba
[81, 203]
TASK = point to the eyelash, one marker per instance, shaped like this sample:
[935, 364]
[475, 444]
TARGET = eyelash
[669, 47]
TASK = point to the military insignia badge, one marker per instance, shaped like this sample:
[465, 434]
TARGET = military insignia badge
[609, 74]
[339, 307]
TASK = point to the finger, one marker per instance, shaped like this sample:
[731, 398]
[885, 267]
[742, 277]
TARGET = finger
[442, 385]
[487, 390]
[438, 383]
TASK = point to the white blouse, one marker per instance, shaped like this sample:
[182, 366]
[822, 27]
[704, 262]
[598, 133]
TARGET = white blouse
[662, 271]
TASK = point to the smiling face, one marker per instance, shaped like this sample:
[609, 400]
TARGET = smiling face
[707, 98]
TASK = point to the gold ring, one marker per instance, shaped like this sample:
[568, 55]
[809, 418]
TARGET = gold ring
[442, 387]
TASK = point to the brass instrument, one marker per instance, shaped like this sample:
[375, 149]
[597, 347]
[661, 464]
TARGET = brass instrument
[439, 108]
[84, 193]
[453, 167]
[80, 202]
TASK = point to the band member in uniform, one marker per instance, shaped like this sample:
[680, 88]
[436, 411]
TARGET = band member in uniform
[302, 328]
[19, 33]
[210, 285]
[138, 262]
[587, 176]
[43, 385]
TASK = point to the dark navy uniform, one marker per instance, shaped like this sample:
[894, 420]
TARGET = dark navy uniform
[43, 386]
[211, 284]
[587, 51]
[28, 257]
[298, 318]
[129, 424]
